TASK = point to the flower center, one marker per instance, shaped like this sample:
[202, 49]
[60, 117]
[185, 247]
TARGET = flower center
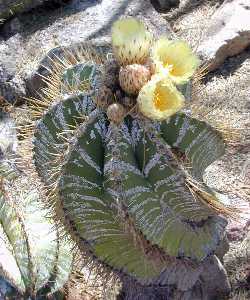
[168, 66]
[161, 98]
[173, 69]
[164, 97]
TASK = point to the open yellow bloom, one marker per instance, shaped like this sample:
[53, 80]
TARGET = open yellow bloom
[174, 58]
[131, 41]
[159, 98]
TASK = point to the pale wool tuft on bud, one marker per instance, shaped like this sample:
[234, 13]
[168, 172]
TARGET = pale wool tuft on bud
[133, 77]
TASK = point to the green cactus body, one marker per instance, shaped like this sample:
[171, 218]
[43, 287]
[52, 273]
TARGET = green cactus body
[196, 139]
[121, 190]
[33, 259]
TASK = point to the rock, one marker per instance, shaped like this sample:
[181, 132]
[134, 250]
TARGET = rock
[184, 7]
[12, 86]
[208, 282]
[236, 231]
[5, 288]
[228, 32]
[215, 284]
[11, 52]
[212, 284]
[222, 249]
[164, 5]
[12, 91]
[12, 27]
[8, 138]
[9, 8]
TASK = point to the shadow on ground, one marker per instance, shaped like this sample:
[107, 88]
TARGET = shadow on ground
[40, 18]
[229, 67]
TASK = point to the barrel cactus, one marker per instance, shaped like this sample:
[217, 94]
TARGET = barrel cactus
[123, 160]
[34, 262]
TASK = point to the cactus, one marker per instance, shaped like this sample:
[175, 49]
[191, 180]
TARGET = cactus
[34, 263]
[123, 165]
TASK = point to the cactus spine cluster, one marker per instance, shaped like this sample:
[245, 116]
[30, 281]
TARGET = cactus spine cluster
[123, 166]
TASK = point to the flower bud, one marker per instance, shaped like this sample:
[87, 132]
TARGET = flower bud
[133, 77]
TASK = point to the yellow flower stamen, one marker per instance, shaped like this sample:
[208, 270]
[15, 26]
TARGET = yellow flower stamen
[163, 98]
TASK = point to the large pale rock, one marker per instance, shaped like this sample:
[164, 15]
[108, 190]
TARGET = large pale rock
[227, 34]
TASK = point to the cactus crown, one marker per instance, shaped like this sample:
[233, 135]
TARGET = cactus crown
[122, 166]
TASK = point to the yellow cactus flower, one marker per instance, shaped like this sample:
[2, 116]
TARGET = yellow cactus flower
[131, 41]
[174, 58]
[159, 98]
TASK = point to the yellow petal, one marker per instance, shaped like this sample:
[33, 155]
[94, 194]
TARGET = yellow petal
[159, 98]
[131, 41]
[175, 58]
